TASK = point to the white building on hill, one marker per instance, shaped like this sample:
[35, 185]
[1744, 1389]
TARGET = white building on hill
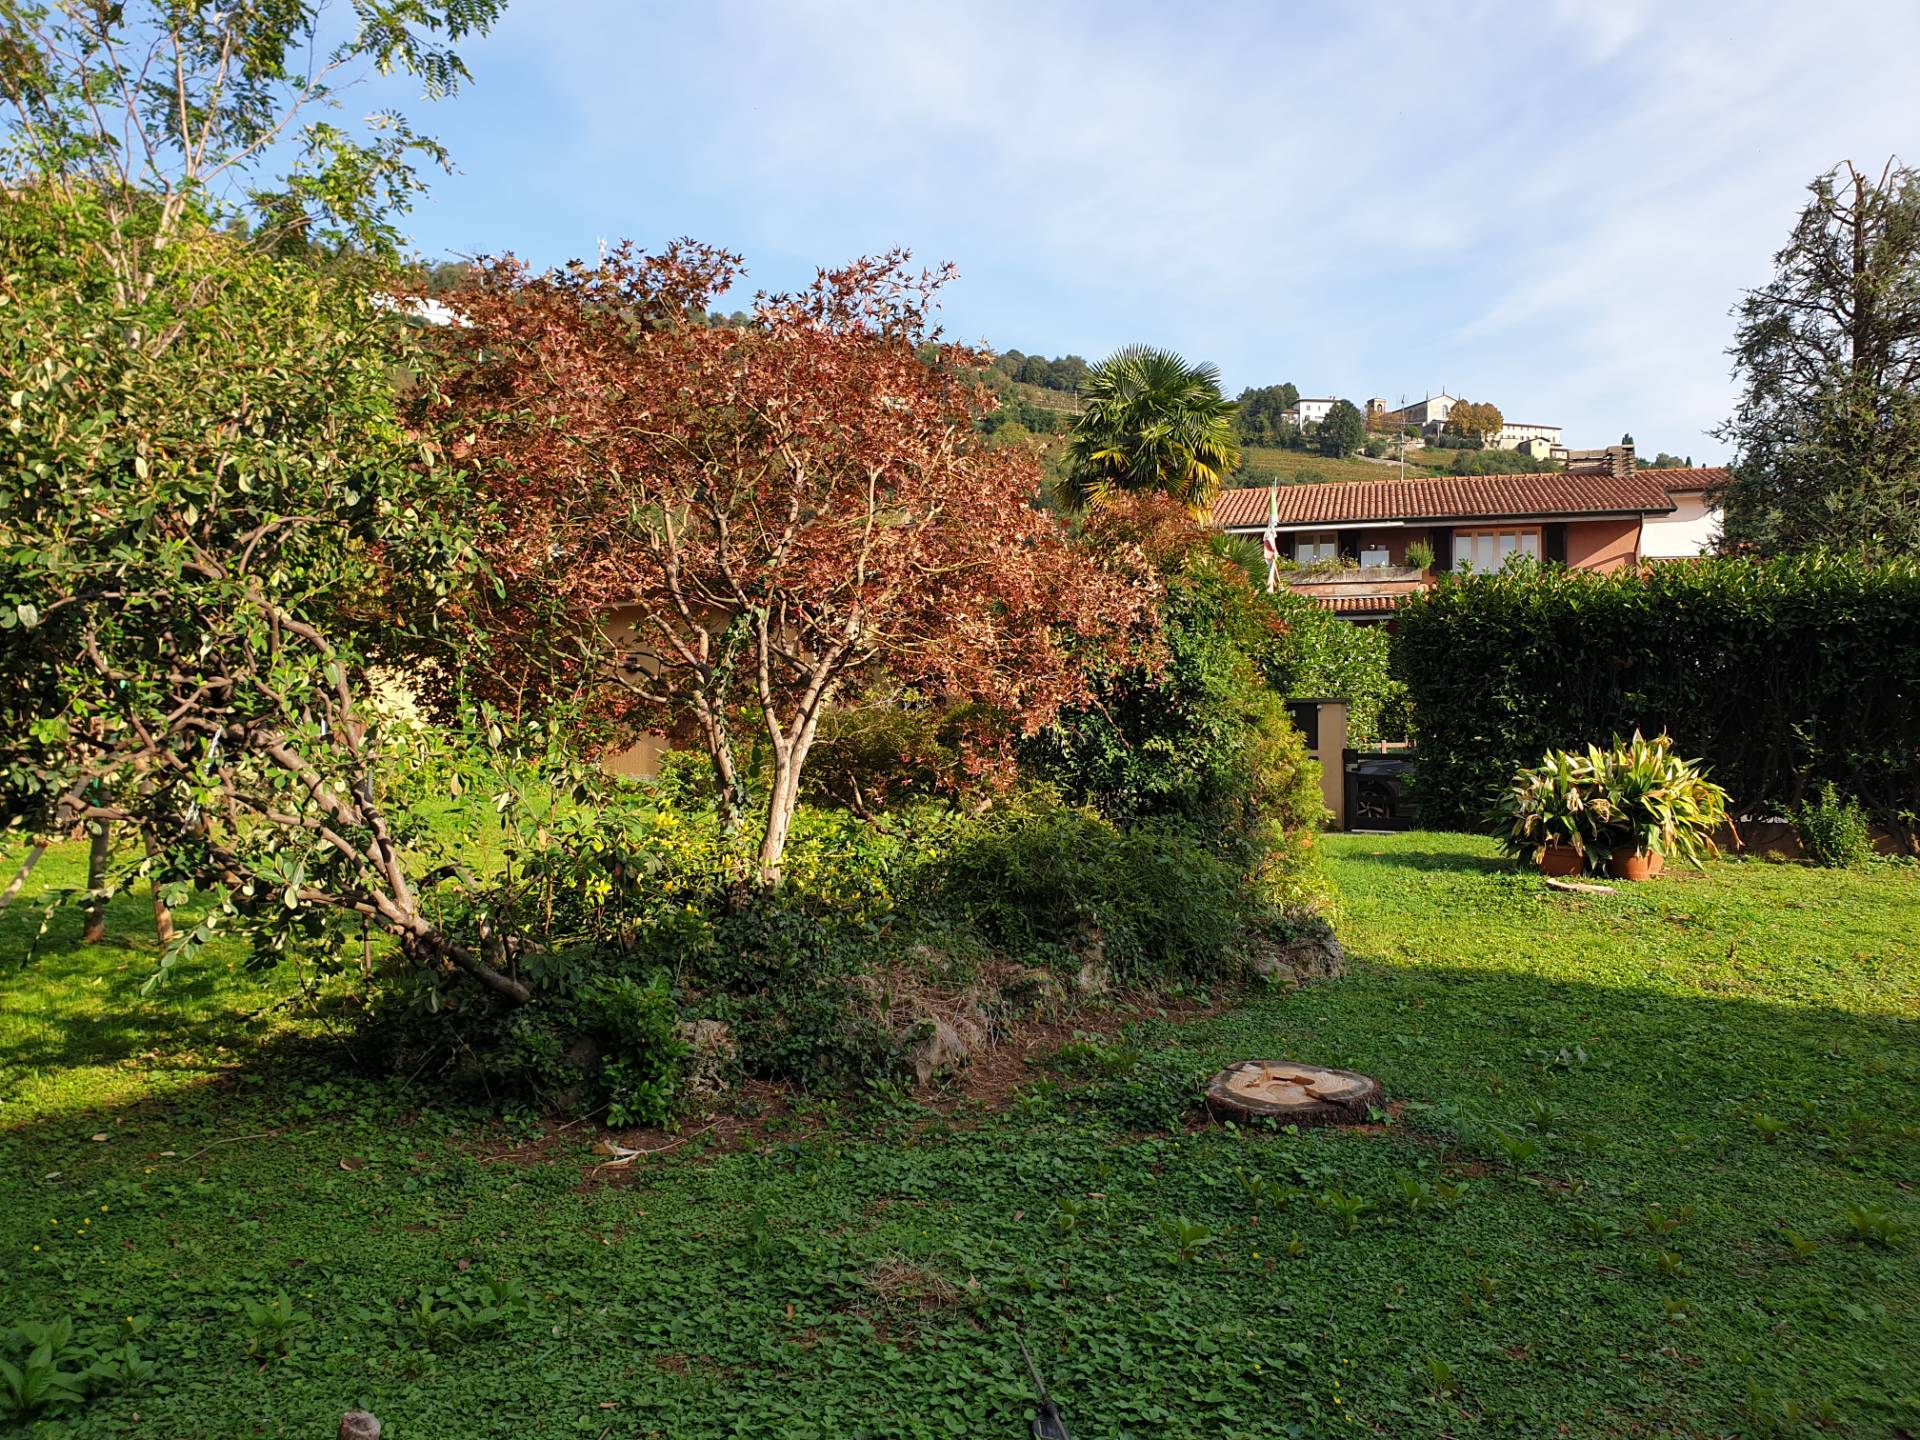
[1306, 412]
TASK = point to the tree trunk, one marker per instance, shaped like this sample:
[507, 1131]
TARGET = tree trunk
[786, 796]
[99, 850]
[20, 876]
[780, 807]
[162, 916]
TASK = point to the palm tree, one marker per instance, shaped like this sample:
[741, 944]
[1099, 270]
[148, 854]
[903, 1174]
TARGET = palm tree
[1152, 422]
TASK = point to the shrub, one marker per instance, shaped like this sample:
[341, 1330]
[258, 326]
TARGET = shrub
[1782, 674]
[1420, 555]
[1833, 830]
[1556, 802]
[1202, 742]
[1656, 801]
[641, 1050]
[1321, 654]
[894, 748]
[1055, 885]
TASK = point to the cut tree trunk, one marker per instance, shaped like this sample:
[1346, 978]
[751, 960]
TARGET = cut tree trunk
[1292, 1094]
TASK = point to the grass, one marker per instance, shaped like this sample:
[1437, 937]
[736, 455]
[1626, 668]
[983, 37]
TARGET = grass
[1666, 1111]
[1264, 461]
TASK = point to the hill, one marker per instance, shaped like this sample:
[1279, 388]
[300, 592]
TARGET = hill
[1262, 464]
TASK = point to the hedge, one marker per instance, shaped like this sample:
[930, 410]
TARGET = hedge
[1781, 674]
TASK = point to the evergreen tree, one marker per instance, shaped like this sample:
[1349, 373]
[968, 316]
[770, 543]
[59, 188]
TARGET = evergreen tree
[1342, 432]
[1826, 437]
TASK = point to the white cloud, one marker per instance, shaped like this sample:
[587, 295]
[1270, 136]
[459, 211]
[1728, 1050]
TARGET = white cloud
[1552, 207]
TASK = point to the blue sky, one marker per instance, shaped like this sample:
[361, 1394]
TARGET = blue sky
[1547, 205]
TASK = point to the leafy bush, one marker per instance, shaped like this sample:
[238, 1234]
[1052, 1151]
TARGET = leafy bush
[642, 922]
[1636, 795]
[1782, 674]
[1556, 802]
[1054, 885]
[1204, 741]
[1321, 654]
[1659, 802]
[779, 969]
[640, 1051]
[1833, 830]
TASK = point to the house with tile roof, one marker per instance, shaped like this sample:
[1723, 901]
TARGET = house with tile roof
[1349, 540]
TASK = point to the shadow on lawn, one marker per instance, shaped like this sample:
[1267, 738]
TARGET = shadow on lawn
[64, 1006]
[1440, 861]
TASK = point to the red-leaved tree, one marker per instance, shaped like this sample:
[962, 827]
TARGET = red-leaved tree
[727, 526]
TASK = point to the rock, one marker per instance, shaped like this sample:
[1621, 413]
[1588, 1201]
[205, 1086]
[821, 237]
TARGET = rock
[1031, 988]
[711, 1054]
[1095, 977]
[359, 1425]
[939, 1051]
[583, 1060]
[1290, 1093]
[1312, 953]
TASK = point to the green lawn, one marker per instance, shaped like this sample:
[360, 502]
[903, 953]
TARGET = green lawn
[1289, 465]
[1640, 1094]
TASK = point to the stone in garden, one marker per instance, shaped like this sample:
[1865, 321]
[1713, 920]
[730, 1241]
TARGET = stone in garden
[940, 1051]
[1290, 1093]
[711, 1055]
[1312, 954]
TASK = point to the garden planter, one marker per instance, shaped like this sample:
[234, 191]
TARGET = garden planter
[1562, 860]
[1635, 864]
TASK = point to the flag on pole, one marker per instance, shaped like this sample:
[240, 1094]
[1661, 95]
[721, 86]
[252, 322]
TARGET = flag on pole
[1270, 538]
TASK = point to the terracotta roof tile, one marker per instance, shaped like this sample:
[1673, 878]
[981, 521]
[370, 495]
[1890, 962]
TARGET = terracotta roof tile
[1683, 482]
[1458, 497]
[1359, 604]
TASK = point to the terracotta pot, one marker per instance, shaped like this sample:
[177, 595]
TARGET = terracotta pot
[1635, 864]
[1562, 860]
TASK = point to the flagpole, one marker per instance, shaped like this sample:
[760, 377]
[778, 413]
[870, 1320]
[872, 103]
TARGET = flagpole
[1270, 541]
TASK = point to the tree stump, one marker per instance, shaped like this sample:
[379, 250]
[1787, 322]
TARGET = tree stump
[359, 1425]
[1289, 1093]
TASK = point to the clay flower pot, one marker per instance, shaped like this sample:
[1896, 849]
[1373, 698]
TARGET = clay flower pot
[1635, 864]
[1562, 860]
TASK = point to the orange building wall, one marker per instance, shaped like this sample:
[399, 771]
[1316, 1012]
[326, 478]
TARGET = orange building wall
[1603, 544]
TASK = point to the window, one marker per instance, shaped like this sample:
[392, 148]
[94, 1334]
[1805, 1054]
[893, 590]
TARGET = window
[1316, 545]
[1375, 555]
[1486, 551]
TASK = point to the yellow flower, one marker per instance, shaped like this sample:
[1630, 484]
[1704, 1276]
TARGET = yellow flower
[36, 1249]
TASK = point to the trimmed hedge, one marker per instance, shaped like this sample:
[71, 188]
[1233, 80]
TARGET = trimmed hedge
[1782, 675]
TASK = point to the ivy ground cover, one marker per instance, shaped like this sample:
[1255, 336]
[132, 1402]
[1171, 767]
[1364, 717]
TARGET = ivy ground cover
[1651, 1171]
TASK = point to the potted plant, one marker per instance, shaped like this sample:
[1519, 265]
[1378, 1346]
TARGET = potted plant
[1659, 805]
[1551, 812]
[1420, 555]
